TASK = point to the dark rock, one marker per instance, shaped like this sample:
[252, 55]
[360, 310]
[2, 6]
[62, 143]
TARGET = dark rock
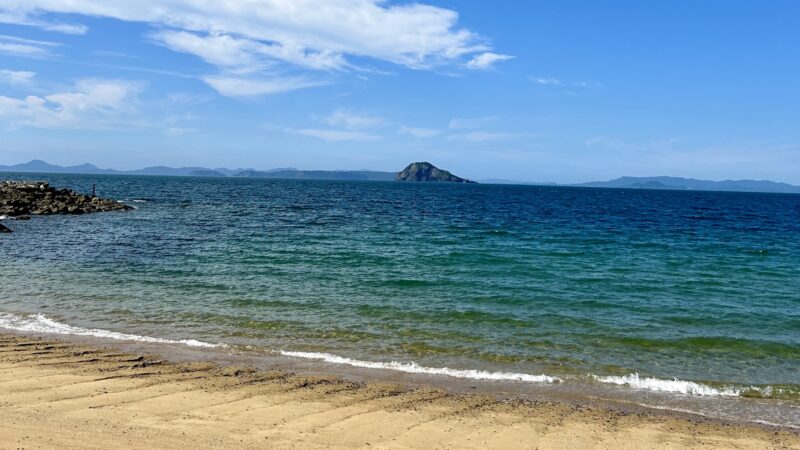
[4, 229]
[20, 198]
[425, 171]
[23, 217]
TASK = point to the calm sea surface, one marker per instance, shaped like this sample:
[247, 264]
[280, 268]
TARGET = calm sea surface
[696, 292]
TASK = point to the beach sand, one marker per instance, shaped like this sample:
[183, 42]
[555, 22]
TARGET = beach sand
[55, 394]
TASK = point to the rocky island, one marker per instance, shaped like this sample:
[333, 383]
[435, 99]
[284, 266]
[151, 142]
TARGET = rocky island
[425, 171]
[20, 199]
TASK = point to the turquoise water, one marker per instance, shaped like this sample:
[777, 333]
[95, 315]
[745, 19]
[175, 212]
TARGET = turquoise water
[586, 285]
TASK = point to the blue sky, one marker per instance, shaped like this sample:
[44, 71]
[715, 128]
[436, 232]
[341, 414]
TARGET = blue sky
[561, 91]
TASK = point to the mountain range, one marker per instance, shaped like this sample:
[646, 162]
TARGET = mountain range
[39, 166]
[661, 182]
[678, 183]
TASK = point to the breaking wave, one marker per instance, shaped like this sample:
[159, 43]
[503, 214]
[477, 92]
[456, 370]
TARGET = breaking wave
[39, 323]
[416, 368]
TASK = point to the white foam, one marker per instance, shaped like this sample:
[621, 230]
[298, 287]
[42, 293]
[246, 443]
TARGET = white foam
[139, 201]
[39, 323]
[416, 368]
[3, 217]
[674, 386]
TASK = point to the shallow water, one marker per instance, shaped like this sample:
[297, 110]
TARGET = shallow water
[585, 286]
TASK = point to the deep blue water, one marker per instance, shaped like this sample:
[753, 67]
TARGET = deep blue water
[567, 282]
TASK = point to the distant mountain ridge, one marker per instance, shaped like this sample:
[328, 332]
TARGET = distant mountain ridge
[39, 166]
[659, 182]
[678, 183]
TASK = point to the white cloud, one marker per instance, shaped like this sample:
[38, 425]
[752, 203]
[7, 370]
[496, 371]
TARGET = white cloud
[25, 47]
[487, 60]
[219, 50]
[470, 124]
[248, 87]
[353, 121]
[90, 104]
[335, 135]
[418, 132]
[246, 55]
[66, 28]
[22, 18]
[16, 77]
[547, 81]
[250, 37]
[543, 81]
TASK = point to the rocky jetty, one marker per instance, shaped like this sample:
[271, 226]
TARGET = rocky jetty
[425, 171]
[19, 199]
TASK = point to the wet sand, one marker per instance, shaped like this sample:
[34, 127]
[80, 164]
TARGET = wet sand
[55, 394]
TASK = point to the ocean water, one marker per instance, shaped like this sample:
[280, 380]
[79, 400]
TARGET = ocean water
[689, 294]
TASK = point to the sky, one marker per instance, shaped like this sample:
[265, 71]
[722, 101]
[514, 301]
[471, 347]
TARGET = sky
[544, 91]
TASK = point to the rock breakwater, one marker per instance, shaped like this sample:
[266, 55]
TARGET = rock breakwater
[20, 199]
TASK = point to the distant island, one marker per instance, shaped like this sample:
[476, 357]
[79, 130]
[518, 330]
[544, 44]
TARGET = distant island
[424, 171]
[678, 183]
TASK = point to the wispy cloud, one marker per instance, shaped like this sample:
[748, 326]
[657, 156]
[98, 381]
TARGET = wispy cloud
[558, 82]
[111, 54]
[187, 99]
[419, 132]
[486, 136]
[10, 14]
[17, 77]
[487, 60]
[350, 120]
[334, 135]
[26, 47]
[90, 104]
[470, 124]
[249, 87]
[547, 81]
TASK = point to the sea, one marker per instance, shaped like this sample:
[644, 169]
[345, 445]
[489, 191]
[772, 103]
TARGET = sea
[679, 300]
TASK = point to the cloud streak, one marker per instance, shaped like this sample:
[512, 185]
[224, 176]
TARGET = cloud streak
[350, 120]
[232, 86]
[419, 132]
[334, 135]
[16, 46]
[16, 17]
[544, 81]
[487, 60]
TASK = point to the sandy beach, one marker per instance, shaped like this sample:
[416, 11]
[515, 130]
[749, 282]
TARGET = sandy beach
[55, 394]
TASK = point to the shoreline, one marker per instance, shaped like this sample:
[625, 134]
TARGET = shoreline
[106, 387]
[663, 396]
